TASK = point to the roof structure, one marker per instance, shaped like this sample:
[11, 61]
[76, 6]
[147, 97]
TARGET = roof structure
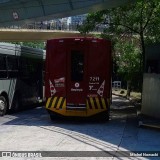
[22, 35]
[24, 11]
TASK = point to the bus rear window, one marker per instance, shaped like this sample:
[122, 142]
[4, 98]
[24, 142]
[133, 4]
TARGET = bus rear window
[77, 65]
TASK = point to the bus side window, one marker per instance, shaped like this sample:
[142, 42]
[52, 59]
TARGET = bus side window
[77, 65]
[3, 67]
[24, 71]
[30, 68]
[12, 65]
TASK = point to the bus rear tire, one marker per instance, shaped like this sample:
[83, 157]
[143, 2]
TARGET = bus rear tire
[104, 117]
[3, 106]
[16, 103]
[52, 117]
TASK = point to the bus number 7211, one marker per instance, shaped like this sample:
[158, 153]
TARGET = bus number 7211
[94, 79]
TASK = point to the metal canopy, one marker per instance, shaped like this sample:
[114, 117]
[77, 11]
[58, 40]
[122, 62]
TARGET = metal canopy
[23, 11]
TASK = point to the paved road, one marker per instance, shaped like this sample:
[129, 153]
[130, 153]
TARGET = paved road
[32, 130]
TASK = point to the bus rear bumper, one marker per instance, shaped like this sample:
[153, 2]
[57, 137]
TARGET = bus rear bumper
[94, 106]
[104, 116]
[77, 113]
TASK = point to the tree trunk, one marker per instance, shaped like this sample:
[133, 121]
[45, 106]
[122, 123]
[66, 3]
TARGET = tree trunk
[143, 51]
[142, 59]
[128, 88]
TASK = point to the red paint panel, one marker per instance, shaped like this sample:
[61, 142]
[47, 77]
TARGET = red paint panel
[78, 68]
[99, 68]
[76, 71]
[56, 67]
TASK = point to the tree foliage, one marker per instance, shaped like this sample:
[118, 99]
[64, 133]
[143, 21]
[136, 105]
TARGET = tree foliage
[39, 45]
[128, 60]
[135, 22]
[140, 19]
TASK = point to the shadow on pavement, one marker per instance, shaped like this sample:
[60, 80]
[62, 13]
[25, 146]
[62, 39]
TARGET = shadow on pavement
[101, 135]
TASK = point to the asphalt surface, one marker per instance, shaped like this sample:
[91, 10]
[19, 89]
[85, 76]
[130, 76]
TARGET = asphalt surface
[32, 130]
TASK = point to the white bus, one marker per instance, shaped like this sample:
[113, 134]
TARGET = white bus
[21, 76]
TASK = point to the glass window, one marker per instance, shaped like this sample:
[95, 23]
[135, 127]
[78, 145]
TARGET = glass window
[12, 66]
[152, 66]
[29, 68]
[3, 69]
[77, 65]
[2, 63]
[12, 63]
[24, 71]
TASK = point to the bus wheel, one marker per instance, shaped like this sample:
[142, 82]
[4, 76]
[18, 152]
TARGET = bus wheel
[3, 105]
[104, 117]
[15, 104]
[52, 117]
[107, 116]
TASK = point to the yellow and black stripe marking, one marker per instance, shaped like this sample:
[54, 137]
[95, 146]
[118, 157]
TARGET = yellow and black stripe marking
[56, 102]
[96, 103]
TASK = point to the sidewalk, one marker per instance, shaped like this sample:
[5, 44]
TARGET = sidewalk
[135, 138]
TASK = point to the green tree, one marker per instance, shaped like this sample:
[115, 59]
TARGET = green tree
[40, 45]
[139, 20]
[128, 60]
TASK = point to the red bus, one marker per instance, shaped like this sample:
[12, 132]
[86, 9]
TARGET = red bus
[78, 77]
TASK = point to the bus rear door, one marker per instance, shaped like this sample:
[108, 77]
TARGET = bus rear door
[76, 75]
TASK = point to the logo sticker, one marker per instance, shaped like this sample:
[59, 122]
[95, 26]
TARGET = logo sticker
[101, 89]
[52, 88]
[59, 82]
[77, 85]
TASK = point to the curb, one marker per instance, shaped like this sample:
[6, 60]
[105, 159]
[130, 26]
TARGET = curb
[143, 121]
[148, 122]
